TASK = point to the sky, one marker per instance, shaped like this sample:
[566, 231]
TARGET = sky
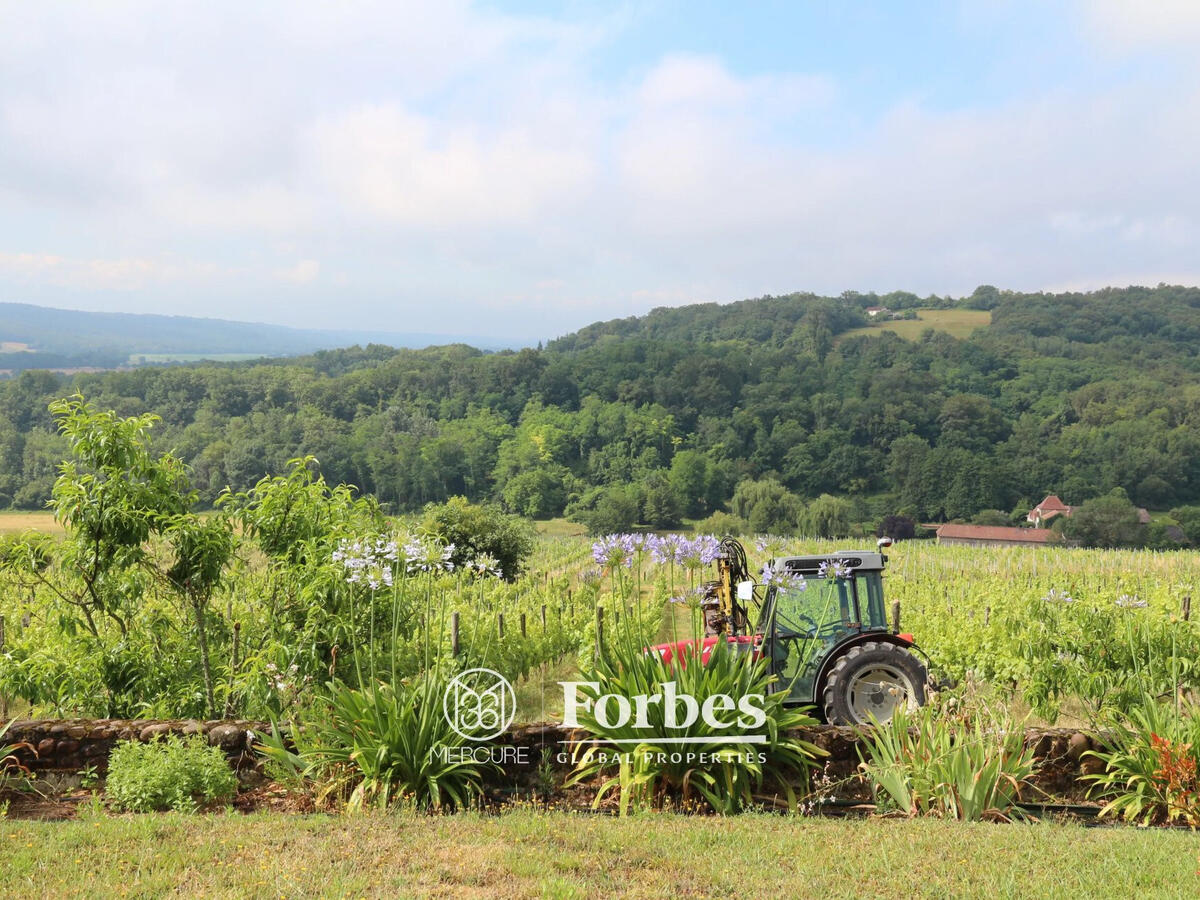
[521, 169]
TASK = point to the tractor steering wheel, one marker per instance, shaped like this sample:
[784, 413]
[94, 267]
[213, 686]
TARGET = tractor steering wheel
[802, 619]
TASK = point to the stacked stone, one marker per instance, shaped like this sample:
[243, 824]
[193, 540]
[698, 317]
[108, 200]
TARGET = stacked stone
[72, 745]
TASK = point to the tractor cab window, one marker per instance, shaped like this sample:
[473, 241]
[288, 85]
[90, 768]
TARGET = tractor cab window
[871, 599]
[823, 606]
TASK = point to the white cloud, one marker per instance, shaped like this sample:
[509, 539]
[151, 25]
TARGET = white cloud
[406, 169]
[303, 272]
[129, 274]
[444, 161]
[1143, 23]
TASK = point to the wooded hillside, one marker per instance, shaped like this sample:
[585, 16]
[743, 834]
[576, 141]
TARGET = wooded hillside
[754, 406]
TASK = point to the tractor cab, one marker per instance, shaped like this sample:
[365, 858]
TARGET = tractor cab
[823, 603]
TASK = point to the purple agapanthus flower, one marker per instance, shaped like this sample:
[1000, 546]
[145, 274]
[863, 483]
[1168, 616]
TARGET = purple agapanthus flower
[665, 549]
[780, 577]
[834, 568]
[615, 550]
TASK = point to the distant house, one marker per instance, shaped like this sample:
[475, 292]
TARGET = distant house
[874, 311]
[1052, 506]
[1047, 510]
[993, 535]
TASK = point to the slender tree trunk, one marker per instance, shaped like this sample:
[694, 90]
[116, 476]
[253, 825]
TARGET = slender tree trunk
[198, 608]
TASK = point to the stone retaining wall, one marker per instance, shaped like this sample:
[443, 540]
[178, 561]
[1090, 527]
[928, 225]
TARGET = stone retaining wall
[71, 745]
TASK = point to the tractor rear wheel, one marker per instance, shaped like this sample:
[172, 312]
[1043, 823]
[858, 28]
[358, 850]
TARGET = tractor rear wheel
[870, 682]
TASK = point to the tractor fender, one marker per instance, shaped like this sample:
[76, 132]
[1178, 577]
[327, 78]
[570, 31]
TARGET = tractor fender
[879, 637]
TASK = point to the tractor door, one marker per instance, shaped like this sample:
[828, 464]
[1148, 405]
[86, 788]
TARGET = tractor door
[800, 627]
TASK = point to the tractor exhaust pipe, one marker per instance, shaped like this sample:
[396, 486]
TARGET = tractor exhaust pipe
[895, 617]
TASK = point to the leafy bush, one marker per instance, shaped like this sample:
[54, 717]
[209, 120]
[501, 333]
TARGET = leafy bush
[1108, 521]
[969, 766]
[376, 745]
[605, 510]
[175, 773]
[1152, 765]
[721, 522]
[710, 771]
[477, 530]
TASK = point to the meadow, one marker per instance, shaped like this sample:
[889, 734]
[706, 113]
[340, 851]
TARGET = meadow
[959, 323]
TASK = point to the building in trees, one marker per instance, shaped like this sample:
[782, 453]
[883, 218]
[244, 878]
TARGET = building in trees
[994, 536]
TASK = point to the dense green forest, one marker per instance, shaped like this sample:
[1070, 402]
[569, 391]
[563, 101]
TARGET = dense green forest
[758, 408]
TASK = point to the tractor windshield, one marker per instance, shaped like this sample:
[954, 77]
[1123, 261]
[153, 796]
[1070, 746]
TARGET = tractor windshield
[823, 606]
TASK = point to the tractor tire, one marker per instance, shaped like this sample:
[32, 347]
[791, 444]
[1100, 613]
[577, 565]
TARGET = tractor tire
[870, 681]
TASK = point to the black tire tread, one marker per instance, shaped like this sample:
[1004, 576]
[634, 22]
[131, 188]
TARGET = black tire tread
[835, 712]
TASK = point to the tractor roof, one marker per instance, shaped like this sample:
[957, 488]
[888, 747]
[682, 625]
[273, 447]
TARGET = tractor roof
[859, 560]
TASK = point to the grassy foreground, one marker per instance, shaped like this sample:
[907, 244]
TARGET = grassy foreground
[525, 853]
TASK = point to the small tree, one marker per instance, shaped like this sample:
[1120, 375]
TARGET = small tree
[1108, 521]
[767, 506]
[991, 517]
[606, 510]
[113, 497]
[898, 528]
[828, 517]
[476, 529]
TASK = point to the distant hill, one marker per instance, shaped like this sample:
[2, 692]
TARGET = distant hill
[784, 413]
[41, 337]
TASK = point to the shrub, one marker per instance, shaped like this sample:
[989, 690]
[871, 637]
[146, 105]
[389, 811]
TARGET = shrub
[897, 527]
[174, 773]
[1152, 766]
[1108, 521]
[375, 745]
[725, 776]
[969, 766]
[481, 529]
[768, 506]
[606, 510]
[722, 522]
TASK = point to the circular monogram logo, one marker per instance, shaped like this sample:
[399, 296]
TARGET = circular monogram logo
[479, 704]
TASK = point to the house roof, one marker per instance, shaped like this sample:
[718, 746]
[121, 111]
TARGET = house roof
[1052, 502]
[995, 533]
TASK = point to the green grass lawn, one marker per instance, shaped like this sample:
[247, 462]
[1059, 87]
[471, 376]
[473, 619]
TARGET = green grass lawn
[957, 322]
[529, 854]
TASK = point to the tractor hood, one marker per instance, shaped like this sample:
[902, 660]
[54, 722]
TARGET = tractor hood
[682, 650]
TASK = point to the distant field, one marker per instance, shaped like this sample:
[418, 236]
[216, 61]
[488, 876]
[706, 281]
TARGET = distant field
[958, 323]
[14, 347]
[560, 528]
[140, 359]
[14, 522]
